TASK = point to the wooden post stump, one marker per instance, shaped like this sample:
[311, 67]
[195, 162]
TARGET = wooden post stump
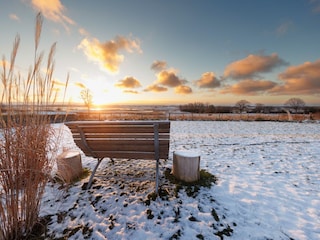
[69, 165]
[186, 166]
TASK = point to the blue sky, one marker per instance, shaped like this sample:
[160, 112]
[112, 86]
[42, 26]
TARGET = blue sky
[174, 52]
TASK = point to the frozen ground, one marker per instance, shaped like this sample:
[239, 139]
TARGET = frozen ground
[268, 188]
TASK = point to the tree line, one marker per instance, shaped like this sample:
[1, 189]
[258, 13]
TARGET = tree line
[293, 105]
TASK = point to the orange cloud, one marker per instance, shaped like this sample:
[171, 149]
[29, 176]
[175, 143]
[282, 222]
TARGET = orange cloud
[316, 6]
[284, 28]
[128, 82]
[155, 88]
[169, 78]
[83, 32]
[58, 83]
[249, 87]
[301, 79]
[252, 65]
[107, 54]
[158, 66]
[208, 80]
[14, 17]
[131, 91]
[182, 89]
[80, 85]
[54, 11]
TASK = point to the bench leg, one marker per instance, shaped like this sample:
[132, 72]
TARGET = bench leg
[157, 176]
[93, 172]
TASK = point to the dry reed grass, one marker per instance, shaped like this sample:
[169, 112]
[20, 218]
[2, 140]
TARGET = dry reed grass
[26, 147]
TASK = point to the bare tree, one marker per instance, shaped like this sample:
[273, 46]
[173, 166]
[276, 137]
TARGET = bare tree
[242, 105]
[295, 103]
[198, 107]
[86, 96]
[259, 108]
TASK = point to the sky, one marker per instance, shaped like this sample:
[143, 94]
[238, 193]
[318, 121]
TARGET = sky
[173, 52]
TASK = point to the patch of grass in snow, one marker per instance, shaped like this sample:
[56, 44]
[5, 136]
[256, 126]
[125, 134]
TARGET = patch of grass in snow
[226, 231]
[177, 235]
[149, 214]
[39, 231]
[200, 236]
[112, 220]
[85, 173]
[70, 232]
[39, 228]
[192, 189]
[215, 215]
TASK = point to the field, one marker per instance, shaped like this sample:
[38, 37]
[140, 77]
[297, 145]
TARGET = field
[268, 178]
[173, 113]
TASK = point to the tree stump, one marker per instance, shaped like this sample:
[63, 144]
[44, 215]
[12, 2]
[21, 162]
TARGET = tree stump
[186, 166]
[69, 165]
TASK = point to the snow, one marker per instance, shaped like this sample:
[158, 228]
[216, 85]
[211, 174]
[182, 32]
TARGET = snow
[69, 153]
[268, 188]
[188, 153]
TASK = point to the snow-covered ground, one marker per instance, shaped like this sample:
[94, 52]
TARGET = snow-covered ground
[268, 188]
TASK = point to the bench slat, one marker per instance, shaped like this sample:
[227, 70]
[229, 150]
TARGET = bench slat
[124, 145]
[118, 129]
[99, 123]
[118, 123]
[126, 155]
[120, 135]
[164, 148]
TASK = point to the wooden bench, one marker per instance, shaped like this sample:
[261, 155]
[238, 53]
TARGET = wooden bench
[147, 140]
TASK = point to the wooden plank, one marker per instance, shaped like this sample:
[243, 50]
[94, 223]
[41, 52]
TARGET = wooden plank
[124, 138]
[121, 136]
[163, 126]
[119, 145]
[117, 129]
[122, 128]
[98, 123]
[128, 155]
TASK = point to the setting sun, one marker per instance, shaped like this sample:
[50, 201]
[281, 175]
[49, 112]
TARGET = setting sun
[100, 97]
[105, 96]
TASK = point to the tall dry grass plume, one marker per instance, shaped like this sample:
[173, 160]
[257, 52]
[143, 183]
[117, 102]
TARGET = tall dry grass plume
[26, 145]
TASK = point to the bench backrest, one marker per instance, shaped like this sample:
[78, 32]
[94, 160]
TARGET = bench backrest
[122, 139]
